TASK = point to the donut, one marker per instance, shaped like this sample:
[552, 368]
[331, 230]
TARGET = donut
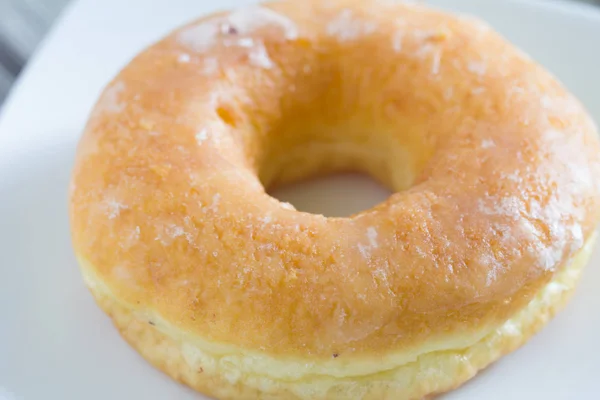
[493, 164]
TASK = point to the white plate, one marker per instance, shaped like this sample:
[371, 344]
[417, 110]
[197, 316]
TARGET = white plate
[56, 344]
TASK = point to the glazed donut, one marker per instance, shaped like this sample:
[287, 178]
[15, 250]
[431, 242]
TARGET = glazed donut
[495, 169]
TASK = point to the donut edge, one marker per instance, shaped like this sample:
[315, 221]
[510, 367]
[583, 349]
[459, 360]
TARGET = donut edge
[457, 365]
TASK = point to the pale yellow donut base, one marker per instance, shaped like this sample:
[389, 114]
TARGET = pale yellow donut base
[206, 368]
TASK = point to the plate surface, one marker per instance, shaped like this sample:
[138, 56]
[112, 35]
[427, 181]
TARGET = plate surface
[56, 344]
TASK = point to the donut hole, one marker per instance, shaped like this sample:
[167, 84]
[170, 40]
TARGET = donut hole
[343, 166]
[334, 195]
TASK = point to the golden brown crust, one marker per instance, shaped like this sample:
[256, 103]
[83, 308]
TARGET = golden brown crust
[430, 373]
[496, 168]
